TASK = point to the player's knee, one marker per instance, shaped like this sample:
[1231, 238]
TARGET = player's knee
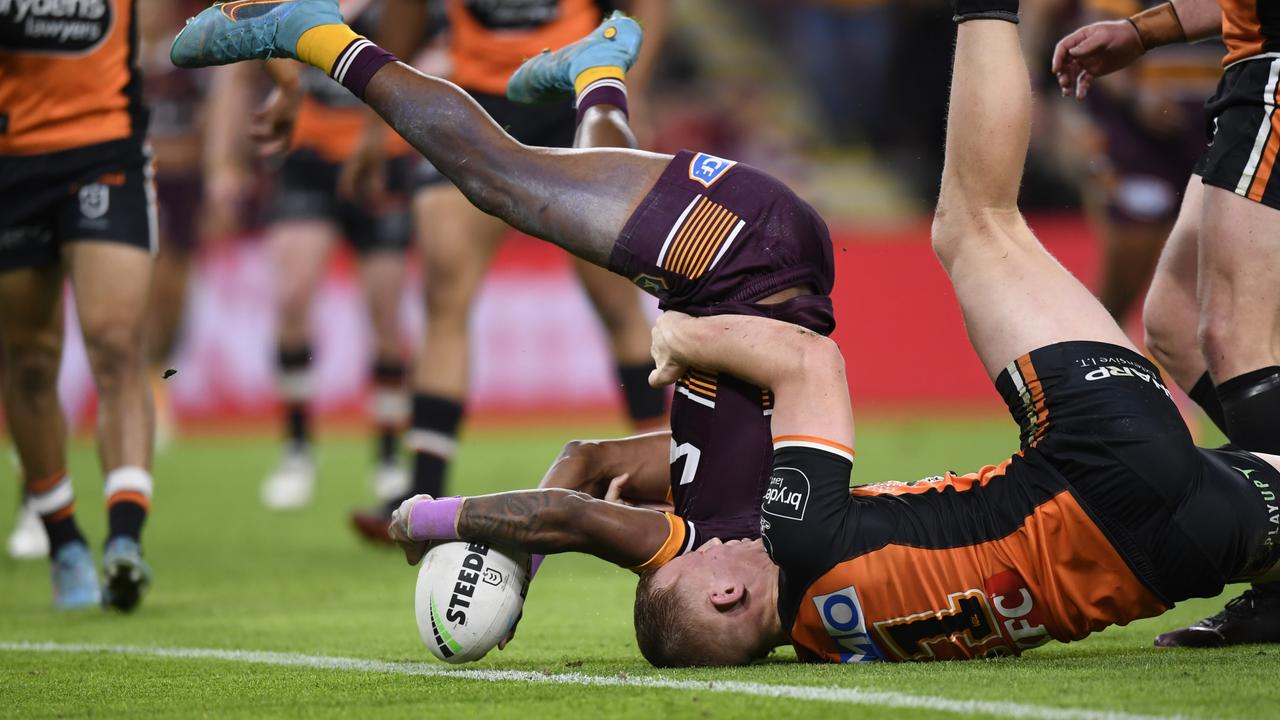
[1219, 336]
[1167, 342]
[115, 349]
[32, 365]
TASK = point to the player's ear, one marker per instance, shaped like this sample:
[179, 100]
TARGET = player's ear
[727, 594]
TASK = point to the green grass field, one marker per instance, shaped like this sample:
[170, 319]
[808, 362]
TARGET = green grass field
[233, 577]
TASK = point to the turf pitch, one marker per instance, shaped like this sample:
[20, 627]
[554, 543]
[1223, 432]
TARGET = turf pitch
[235, 579]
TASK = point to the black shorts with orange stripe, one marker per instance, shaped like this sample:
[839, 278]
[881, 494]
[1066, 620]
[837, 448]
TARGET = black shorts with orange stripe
[102, 193]
[1244, 132]
[1187, 520]
[714, 237]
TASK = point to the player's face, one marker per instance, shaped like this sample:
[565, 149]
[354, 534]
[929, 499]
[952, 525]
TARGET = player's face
[726, 589]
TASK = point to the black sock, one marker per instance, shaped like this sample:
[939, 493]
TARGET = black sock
[1206, 396]
[62, 532]
[646, 406]
[1251, 408]
[388, 408]
[432, 436]
[965, 10]
[53, 499]
[126, 518]
[295, 391]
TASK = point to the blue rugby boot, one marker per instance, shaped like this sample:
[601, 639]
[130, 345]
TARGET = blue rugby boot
[551, 75]
[230, 32]
[75, 583]
[127, 574]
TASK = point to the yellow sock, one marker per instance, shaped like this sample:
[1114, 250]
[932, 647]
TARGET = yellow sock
[321, 45]
[590, 75]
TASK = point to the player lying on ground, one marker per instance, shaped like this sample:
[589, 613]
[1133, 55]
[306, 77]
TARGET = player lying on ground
[1109, 513]
[705, 235]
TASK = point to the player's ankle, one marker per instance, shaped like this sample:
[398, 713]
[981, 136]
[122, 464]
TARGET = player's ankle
[349, 58]
[966, 10]
[600, 86]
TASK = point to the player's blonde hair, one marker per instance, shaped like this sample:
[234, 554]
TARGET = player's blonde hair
[667, 635]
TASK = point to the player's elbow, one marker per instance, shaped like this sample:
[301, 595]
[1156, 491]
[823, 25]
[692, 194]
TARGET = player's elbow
[814, 358]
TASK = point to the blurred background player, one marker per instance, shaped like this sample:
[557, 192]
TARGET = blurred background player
[174, 98]
[1145, 131]
[176, 133]
[306, 219]
[488, 41]
[1213, 312]
[79, 203]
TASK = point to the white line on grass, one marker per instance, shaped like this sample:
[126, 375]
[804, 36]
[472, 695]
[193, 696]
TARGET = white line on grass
[845, 696]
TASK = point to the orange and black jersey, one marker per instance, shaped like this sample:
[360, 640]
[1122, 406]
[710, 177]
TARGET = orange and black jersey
[1107, 515]
[491, 39]
[960, 566]
[68, 76]
[1250, 28]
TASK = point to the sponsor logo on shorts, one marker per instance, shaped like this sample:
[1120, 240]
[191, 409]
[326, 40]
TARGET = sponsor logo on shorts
[650, 283]
[95, 200]
[707, 169]
[844, 621]
[1268, 497]
[788, 494]
[1107, 368]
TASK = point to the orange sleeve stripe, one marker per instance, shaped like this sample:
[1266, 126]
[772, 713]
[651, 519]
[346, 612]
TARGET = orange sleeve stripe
[813, 440]
[669, 549]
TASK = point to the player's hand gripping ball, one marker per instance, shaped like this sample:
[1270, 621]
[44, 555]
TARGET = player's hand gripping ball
[469, 596]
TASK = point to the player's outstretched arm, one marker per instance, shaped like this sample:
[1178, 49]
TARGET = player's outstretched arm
[535, 521]
[635, 470]
[1101, 48]
[804, 370]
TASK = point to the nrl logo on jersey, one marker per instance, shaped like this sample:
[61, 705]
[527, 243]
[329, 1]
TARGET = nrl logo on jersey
[707, 169]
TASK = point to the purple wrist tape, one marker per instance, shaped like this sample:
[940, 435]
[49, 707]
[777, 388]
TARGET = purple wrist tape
[435, 519]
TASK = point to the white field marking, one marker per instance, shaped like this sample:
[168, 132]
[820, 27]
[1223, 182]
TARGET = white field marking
[844, 696]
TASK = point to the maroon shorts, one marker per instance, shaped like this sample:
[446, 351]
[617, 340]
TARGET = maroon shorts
[714, 237]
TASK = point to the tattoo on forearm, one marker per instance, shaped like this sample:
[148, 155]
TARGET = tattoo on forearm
[507, 518]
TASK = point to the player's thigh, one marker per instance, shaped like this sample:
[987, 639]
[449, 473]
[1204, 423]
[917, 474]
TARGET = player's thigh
[1171, 314]
[456, 242]
[1015, 297]
[300, 248]
[1239, 283]
[112, 284]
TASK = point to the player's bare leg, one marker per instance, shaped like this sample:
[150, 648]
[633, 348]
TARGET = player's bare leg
[603, 122]
[1171, 315]
[1015, 297]
[301, 250]
[1130, 253]
[577, 199]
[382, 273]
[164, 319]
[1239, 323]
[31, 327]
[112, 286]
